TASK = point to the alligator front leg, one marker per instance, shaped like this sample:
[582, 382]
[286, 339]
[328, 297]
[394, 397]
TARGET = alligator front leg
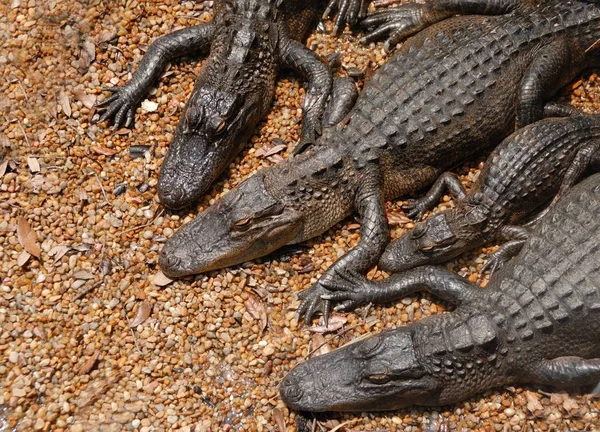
[352, 291]
[349, 11]
[565, 372]
[374, 238]
[554, 66]
[123, 103]
[447, 181]
[398, 23]
[308, 64]
[515, 237]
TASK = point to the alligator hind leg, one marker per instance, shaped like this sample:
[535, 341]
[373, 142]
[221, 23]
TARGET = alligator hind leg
[447, 181]
[354, 291]
[308, 64]
[123, 103]
[398, 23]
[566, 372]
[554, 66]
[516, 236]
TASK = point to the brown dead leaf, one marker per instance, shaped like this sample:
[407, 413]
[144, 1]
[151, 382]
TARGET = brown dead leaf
[395, 219]
[533, 404]
[33, 164]
[107, 35]
[275, 158]
[83, 274]
[279, 420]
[65, 102]
[142, 314]
[161, 280]
[27, 237]
[336, 322]
[256, 309]
[58, 251]
[275, 149]
[89, 363]
[105, 151]
[23, 258]
[88, 100]
[95, 390]
[570, 404]
[320, 345]
[87, 54]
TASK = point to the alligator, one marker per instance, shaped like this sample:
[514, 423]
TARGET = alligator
[451, 91]
[248, 41]
[525, 171]
[537, 321]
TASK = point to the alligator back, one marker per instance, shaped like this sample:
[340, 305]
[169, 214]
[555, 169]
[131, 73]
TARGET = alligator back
[550, 293]
[452, 90]
[528, 168]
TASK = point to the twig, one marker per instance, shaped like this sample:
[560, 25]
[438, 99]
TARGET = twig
[24, 133]
[87, 290]
[24, 94]
[102, 188]
[145, 225]
[135, 341]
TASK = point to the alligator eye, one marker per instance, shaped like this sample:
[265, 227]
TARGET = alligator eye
[380, 378]
[221, 127]
[243, 222]
[419, 231]
[427, 248]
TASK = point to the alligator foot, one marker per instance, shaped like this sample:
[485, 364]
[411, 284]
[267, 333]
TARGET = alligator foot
[398, 23]
[416, 208]
[503, 255]
[313, 302]
[120, 106]
[351, 290]
[349, 11]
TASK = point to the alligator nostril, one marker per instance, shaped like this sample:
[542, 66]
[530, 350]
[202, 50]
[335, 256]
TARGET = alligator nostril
[290, 391]
[174, 198]
[168, 259]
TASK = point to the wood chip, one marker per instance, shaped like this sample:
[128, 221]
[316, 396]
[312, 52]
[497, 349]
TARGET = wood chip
[33, 164]
[336, 322]
[149, 106]
[3, 167]
[27, 237]
[257, 310]
[395, 219]
[142, 314]
[279, 420]
[275, 149]
[89, 363]
[161, 280]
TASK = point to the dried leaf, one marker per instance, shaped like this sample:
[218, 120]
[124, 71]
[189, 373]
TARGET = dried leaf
[570, 404]
[65, 103]
[83, 274]
[336, 322]
[27, 237]
[397, 219]
[275, 159]
[87, 54]
[58, 252]
[105, 151]
[3, 167]
[95, 390]
[88, 100]
[320, 345]
[533, 404]
[142, 314]
[89, 363]
[23, 258]
[161, 280]
[149, 106]
[276, 149]
[279, 420]
[107, 35]
[34, 165]
[256, 309]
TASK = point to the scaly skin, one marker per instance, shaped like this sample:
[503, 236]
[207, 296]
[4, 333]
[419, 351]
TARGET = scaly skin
[525, 171]
[249, 41]
[538, 321]
[453, 90]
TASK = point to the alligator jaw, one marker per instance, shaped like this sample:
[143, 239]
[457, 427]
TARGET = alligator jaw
[379, 373]
[246, 224]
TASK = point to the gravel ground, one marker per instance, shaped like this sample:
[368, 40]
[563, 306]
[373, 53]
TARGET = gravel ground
[91, 338]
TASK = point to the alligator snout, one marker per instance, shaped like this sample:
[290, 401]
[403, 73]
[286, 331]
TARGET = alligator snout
[173, 198]
[290, 390]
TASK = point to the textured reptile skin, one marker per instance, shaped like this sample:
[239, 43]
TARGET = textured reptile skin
[538, 321]
[453, 90]
[249, 41]
[522, 173]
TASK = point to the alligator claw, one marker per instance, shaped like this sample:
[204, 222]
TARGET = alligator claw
[120, 107]
[494, 262]
[348, 12]
[313, 302]
[350, 288]
[415, 209]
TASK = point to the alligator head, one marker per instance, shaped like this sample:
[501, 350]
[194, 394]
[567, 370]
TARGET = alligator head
[379, 373]
[290, 202]
[212, 130]
[438, 239]
[246, 223]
